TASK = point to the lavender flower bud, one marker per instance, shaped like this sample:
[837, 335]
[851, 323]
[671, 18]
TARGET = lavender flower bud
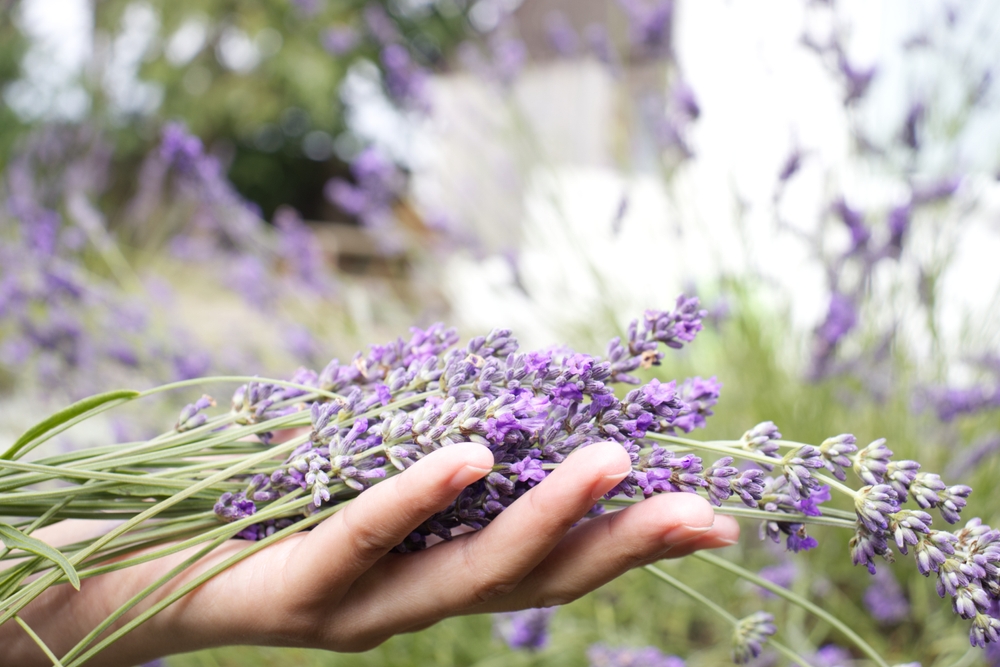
[952, 501]
[526, 629]
[925, 489]
[985, 629]
[796, 465]
[762, 438]
[191, 416]
[885, 600]
[906, 524]
[874, 504]
[749, 486]
[866, 545]
[719, 478]
[234, 506]
[950, 577]
[900, 475]
[750, 634]
[933, 549]
[969, 601]
[872, 462]
[836, 454]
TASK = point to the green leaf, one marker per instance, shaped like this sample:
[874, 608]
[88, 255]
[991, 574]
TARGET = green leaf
[64, 415]
[15, 539]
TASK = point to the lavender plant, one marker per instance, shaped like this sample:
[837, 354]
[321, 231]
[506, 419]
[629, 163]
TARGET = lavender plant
[217, 477]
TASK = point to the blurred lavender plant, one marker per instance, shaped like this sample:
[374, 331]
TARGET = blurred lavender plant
[601, 655]
[528, 629]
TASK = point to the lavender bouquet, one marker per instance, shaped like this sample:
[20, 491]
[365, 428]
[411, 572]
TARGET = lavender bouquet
[215, 477]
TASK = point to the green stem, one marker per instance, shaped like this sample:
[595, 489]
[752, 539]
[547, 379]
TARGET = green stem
[35, 589]
[240, 378]
[796, 599]
[697, 596]
[38, 640]
[733, 509]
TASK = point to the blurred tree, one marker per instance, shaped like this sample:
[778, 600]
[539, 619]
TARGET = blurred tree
[259, 81]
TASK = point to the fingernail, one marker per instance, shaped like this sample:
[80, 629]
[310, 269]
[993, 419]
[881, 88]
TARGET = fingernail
[467, 475]
[684, 532]
[720, 542]
[606, 483]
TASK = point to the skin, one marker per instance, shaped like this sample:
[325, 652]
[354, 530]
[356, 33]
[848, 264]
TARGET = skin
[339, 588]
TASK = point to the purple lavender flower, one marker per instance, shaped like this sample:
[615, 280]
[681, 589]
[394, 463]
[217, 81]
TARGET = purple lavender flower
[855, 223]
[872, 463]
[874, 504]
[750, 634]
[180, 149]
[911, 125]
[650, 26]
[599, 43]
[783, 574]
[601, 655]
[885, 600]
[527, 629]
[857, 79]
[234, 506]
[192, 416]
[935, 191]
[762, 439]
[898, 223]
[836, 454]
[380, 25]
[791, 166]
[832, 655]
[339, 40]
[509, 55]
[698, 396]
[951, 402]
[561, 36]
[405, 81]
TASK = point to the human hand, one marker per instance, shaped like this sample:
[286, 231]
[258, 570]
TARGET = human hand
[339, 588]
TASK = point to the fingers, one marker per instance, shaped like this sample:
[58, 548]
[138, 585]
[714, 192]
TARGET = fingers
[451, 578]
[330, 557]
[594, 553]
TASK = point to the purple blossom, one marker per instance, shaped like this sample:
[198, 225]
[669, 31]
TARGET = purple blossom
[857, 79]
[697, 396]
[339, 40]
[527, 629]
[750, 634]
[855, 223]
[380, 25]
[951, 402]
[832, 655]
[935, 191]
[885, 600]
[405, 81]
[599, 43]
[561, 36]
[528, 470]
[783, 574]
[180, 149]
[601, 655]
[234, 506]
[650, 24]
